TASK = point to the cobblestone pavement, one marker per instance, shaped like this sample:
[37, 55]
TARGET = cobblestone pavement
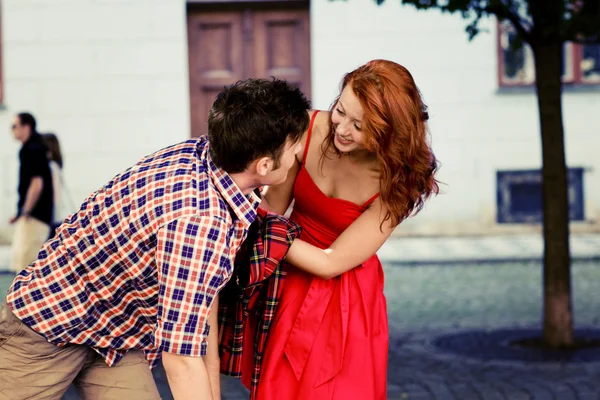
[427, 302]
[417, 370]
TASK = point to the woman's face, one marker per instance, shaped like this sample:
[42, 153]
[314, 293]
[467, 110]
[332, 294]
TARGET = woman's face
[347, 122]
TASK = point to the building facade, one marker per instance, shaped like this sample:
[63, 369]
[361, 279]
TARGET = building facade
[118, 79]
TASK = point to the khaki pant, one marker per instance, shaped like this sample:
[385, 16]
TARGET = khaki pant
[30, 235]
[33, 368]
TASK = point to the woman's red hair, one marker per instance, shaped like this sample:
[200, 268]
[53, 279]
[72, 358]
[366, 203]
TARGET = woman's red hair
[394, 124]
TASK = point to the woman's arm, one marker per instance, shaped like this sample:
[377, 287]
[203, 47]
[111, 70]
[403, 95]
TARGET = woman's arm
[355, 245]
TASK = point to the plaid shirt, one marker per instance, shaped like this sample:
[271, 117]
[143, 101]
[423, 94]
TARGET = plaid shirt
[138, 266]
[257, 278]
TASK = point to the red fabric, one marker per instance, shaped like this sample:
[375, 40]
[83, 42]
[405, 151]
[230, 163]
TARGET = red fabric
[329, 339]
[248, 302]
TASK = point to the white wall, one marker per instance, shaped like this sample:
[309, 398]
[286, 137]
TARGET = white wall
[475, 131]
[108, 76]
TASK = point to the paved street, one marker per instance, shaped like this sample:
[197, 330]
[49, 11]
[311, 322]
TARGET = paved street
[428, 302]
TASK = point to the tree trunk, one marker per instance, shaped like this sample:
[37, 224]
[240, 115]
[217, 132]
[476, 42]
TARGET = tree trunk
[558, 318]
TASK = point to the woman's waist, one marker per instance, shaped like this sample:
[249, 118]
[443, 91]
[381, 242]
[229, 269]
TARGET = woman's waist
[315, 233]
[298, 282]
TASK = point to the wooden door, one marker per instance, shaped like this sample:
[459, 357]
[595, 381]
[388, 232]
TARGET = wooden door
[281, 47]
[238, 43]
[215, 60]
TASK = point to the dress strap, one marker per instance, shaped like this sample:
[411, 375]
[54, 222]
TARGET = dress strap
[310, 126]
[372, 199]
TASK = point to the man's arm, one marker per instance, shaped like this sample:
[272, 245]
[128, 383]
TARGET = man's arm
[188, 378]
[211, 359]
[33, 195]
[190, 259]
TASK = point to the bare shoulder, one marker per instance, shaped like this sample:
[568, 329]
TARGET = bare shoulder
[320, 131]
[321, 125]
[320, 128]
[376, 212]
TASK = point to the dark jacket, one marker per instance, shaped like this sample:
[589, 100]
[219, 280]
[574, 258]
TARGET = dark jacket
[33, 163]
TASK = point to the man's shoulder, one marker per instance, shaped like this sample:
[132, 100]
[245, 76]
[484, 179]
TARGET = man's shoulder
[213, 203]
[187, 147]
[167, 158]
[34, 146]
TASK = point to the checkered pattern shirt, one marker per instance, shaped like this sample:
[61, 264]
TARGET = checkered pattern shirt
[253, 293]
[139, 264]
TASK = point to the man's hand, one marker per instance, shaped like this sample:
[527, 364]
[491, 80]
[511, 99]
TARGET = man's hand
[188, 378]
[24, 215]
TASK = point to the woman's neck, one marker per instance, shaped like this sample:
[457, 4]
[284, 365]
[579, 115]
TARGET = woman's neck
[362, 156]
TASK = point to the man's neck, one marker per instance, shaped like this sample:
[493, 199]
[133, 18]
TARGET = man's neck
[26, 138]
[245, 182]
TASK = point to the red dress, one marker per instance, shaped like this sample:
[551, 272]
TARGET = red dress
[329, 339]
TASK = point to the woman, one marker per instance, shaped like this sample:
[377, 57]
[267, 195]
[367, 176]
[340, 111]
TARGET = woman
[59, 192]
[366, 166]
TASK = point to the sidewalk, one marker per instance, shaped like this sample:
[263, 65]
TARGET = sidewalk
[451, 250]
[481, 249]
[4, 259]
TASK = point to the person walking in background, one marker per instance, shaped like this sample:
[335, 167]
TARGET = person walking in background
[61, 209]
[34, 211]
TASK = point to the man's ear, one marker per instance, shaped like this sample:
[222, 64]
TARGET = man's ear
[263, 166]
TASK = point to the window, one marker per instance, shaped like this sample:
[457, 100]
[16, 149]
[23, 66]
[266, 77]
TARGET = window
[581, 63]
[590, 63]
[519, 196]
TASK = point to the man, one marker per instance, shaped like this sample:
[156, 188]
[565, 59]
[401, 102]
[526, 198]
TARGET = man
[34, 211]
[136, 271]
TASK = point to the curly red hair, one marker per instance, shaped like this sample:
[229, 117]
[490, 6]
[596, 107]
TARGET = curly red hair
[394, 124]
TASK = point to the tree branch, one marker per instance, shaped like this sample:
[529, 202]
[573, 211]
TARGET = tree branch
[504, 13]
[582, 40]
[583, 26]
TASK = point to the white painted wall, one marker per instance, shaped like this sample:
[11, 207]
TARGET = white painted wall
[475, 131]
[108, 76]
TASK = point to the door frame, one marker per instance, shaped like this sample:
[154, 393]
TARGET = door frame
[225, 5]
[213, 2]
